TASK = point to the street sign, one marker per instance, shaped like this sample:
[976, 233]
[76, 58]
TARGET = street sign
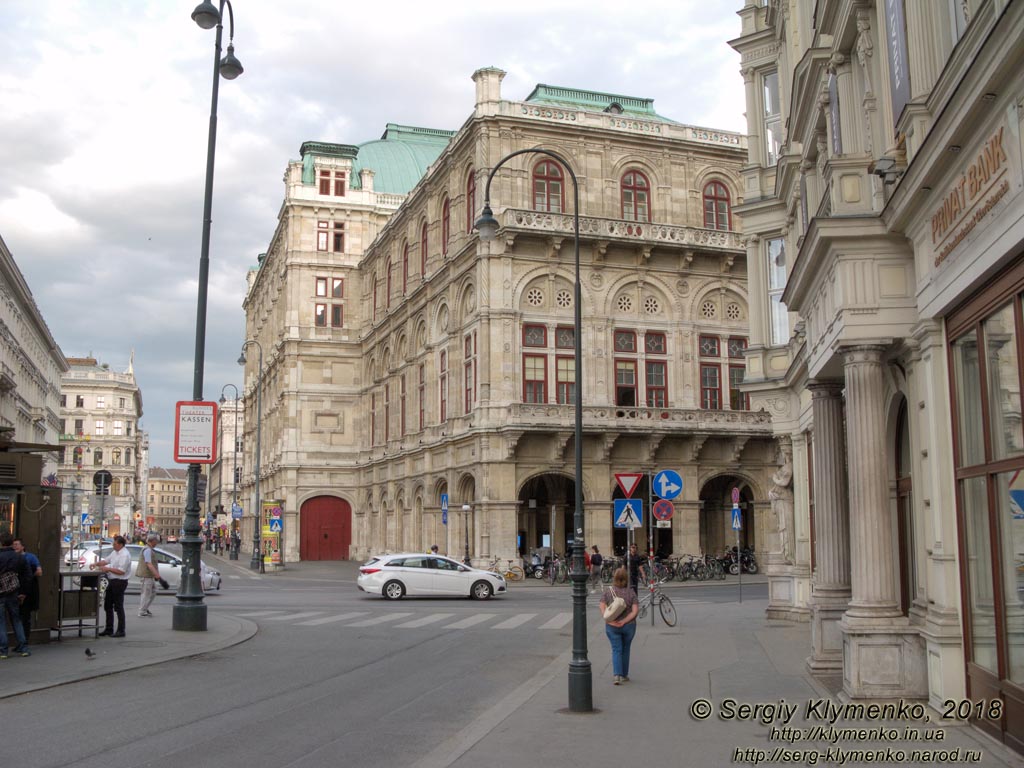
[668, 484]
[629, 513]
[236, 512]
[276, 525]
[737, 519]
[86, 518]
[663, 509]
[663, 524]
[735, 495]
[138, 515]
[628, 481]
[444, 509]
[195, 432]
[102, 480]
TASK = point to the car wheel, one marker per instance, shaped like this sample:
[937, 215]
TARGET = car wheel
[394, 590]
[481, 590]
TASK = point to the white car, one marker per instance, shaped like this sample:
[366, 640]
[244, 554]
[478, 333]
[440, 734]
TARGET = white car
[169, 564]
[414, 574]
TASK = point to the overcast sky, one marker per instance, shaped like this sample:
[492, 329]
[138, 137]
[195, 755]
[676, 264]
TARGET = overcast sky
[104, 110]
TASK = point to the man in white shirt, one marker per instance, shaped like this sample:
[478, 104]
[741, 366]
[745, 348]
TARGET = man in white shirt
[117, 568]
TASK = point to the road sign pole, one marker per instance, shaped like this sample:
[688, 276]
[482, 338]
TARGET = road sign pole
[739, 560]
[650, 541]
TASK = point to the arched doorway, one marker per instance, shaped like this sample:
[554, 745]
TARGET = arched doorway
[716, 532]
[325, 523]
[546, 506]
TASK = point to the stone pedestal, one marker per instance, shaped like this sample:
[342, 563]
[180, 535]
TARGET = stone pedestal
[883, 658]
[827, 609]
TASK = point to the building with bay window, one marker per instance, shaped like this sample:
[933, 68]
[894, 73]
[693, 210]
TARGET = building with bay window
[452, 370]
[883, 205]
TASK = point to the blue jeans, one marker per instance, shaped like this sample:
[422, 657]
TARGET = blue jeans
[11, 610]
[620, 638]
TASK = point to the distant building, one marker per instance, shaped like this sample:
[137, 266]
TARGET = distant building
[405, 360]
[226, 472]
[31, 365]
[166, 500]
[100, 411]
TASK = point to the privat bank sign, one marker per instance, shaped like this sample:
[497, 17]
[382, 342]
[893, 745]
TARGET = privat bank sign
[195, 431]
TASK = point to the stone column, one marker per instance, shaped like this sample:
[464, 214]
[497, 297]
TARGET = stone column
[874, 579]
[830, 588]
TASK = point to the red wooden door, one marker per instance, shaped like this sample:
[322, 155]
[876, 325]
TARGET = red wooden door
[326, 525]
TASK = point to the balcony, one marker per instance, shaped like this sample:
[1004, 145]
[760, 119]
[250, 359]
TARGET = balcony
[647, 234]
[639, 419]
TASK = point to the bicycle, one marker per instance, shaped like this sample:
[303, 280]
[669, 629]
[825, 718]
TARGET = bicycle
[655, 595]
[511, 573]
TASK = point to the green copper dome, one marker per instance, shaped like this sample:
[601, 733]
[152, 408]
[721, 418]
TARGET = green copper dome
[399, 158]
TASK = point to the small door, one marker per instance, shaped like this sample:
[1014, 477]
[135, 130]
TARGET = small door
[325, 529]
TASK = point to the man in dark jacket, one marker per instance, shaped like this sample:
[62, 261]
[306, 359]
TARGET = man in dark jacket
[15, 576]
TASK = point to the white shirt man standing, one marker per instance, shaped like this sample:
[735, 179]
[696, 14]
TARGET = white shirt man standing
[118, 568]
[149, 571]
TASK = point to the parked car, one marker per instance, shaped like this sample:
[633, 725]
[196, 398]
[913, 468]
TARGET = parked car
[416, 575]
[170, 566]
[78, 548]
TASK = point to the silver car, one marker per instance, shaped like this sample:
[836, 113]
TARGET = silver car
[414, 574]
[170, 566]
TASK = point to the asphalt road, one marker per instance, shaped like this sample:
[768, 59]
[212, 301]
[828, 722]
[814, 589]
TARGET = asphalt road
[333, 677]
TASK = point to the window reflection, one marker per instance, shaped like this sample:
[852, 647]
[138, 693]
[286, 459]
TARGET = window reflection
[979, 573]
[967, 377]
[1010, 503]
[1004, 384]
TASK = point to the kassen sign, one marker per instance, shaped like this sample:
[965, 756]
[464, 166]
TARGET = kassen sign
[195, 431]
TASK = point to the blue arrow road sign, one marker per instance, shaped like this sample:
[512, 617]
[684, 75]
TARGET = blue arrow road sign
[737, 519]
[668, 484]
[276, 525]
[236, 512]
[444, 509]
[629, 513]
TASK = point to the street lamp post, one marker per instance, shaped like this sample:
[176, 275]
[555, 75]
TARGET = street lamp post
[581, 697]
[257, 561]
[232, 552]
[189, 612]
[465, 529]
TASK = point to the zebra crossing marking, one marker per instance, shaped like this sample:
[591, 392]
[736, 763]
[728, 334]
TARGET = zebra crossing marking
[254, 614]
[469, 621]
[380, 619]
[518, 620]
[331, 619]
[292, 616]
[557, 622]
[431, 619]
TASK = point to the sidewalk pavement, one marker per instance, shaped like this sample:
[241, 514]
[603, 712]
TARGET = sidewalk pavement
[718, 652]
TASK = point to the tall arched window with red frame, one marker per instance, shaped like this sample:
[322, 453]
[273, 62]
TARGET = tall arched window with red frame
[423, 249]
[548, 187]
[636, 197]
[717, 212]
[405, 268]
[470, 199]
[446, 228]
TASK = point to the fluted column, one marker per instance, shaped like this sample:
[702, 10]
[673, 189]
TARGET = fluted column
[873, 574]
[830, 584]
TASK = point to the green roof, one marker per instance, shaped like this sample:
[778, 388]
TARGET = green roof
[399, 158]
[595, 101]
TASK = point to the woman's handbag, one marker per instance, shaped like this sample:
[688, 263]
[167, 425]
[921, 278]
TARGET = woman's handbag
[614, 609]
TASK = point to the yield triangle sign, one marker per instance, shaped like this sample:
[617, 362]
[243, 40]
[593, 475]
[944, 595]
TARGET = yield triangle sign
[628, 481]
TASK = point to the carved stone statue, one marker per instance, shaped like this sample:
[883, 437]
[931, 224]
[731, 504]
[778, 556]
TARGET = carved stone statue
[781, 495]
[865, 49]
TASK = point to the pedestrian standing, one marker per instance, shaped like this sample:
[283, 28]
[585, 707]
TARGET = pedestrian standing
[596, 561]
[621, 628]
[149, 571]
[14, 577]
[636, 568]
[117, 568]
[31, 601]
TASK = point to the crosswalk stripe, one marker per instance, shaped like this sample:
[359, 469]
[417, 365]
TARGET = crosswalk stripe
[291, 616]
[331, 619]
[515, 621]
[469, 621]
[380, 619]
[558, 621]
[435, 617]
[254, 614]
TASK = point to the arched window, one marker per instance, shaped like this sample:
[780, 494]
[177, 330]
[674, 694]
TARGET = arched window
[387, 295]
[470, 200]
[446, 226]
[423, 249]
[636, 197]
[405, 268]
[717, 214]
[548, 189]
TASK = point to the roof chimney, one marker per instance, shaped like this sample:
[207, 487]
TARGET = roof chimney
[488, 89]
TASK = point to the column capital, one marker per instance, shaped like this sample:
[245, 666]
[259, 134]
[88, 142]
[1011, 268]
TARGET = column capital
[863, 353]
[822, 388]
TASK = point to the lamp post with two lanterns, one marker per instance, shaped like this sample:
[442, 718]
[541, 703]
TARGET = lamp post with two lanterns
[189, 612]
[257, 560]
[580, 678]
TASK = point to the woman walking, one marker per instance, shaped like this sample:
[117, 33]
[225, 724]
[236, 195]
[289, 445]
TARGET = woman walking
[620, 625]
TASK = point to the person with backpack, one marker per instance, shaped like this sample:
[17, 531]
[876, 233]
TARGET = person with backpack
[596, 561]
[15, 576]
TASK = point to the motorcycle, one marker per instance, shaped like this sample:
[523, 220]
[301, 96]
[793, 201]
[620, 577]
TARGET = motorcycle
[746, 560]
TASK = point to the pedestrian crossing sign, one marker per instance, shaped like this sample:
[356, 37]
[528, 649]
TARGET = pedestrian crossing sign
[629, 513]
[276, 525]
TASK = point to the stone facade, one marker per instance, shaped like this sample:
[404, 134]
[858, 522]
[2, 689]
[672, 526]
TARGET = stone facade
[226, 472]
[99, 430]
[452, 369]
[166, 499]
[882, 196]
